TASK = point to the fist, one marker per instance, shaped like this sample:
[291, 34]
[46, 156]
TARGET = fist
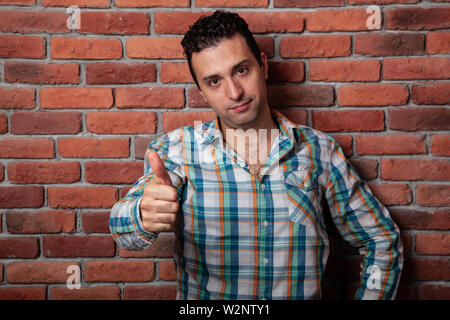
[159, 204]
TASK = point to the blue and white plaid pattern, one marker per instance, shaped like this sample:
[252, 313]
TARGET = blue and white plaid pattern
[247, 238]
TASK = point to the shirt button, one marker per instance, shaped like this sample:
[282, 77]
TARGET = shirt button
[266, 261]
[263, 187]
[265, 223]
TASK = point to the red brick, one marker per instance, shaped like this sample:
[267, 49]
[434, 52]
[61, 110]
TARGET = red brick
[42, 73]
[22, 47]
[82, 197]
[345, 142]
[421, 220]
[348, 120]
[120, 73]
[416, 68]
[280, 21]
[125, 122]
[19, 247]
[167, 270]
[322, 46]
[48, 221]
[433, 292]
[391, 144]
[154, 48]
[17, 98]
[45, 122]
[80, 3]
[152, 3]
[438, 42]
[162, 247]
[3, 124]
[2, 177]
[44, 172]
[94, 147]
[119, 271]
[90, 293]
[265, 44]
[140, 146]
[95, 222]
[233, 3]
[85, 48]
[78, 246]
[114, 22]
[426, 269]
[431, 93]
[175, 72]
[286, 71]
[366, 168]
[151, 292]
[416, 18]
[356, 2]
[178, 22]
[33, 21]
[113, 172]
[26, 148]
[19, 2]
[195, 100]
[23, 293]
[344, 70]
[440, 145]
[38, 271]
[144, 97]
[174, 120]
[392, 194]
[377, 95]
[415, 169]
[433, 195]
[307, 3]
[337, 20]
[76, 98]
[295, 115]
[390, 44]
[433, 243]
[301, 96]
[413, 119]
[21, 197]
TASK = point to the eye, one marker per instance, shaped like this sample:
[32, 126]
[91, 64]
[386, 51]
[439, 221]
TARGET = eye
[242, 70]
[213, 82]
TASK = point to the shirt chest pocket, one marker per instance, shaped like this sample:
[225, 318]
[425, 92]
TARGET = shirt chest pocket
[302, 197]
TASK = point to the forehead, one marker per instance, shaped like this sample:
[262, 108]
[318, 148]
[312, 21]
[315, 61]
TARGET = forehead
[222, 57]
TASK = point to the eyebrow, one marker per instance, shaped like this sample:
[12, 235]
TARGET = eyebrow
[233, 68]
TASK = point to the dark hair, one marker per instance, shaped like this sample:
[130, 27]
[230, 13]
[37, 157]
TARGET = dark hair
[208, 31]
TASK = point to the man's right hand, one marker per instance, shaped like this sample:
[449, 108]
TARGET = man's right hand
[159, 204]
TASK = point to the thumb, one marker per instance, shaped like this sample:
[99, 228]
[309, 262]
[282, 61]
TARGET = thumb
[158, 168]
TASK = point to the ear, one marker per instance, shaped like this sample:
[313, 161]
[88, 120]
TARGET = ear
[265, 65]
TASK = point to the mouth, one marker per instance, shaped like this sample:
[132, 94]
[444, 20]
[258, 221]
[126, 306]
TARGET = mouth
[242, 106]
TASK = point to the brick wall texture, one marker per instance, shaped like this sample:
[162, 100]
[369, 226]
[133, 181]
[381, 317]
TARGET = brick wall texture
[79, 105]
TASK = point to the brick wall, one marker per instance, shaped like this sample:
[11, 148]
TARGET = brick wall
[78, 107]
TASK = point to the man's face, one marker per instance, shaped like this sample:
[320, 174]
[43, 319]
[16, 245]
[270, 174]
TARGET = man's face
[233, 83]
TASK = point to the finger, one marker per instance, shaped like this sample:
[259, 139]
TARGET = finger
[156, 191]
[165, 206]
[158, 168]
[161, 227]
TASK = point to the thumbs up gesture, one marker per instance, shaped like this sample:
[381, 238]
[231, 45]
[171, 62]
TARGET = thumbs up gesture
[159, 205]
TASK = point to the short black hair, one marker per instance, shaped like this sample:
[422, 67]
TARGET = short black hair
[208, 31]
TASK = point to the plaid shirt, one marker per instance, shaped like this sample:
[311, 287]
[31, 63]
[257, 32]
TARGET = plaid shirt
[241, 237]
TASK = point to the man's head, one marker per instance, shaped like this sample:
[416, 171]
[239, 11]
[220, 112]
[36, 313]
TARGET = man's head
[208, 31]
[229, 70]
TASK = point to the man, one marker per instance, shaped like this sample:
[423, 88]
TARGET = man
[246, 227]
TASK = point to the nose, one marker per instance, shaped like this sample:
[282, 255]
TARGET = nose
[234, 89]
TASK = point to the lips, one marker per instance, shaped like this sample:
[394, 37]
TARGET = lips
[242, 106]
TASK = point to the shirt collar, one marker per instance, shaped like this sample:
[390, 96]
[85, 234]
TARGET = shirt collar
[207, 132]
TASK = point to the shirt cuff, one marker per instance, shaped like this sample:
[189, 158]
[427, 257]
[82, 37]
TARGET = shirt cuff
[147, 236]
